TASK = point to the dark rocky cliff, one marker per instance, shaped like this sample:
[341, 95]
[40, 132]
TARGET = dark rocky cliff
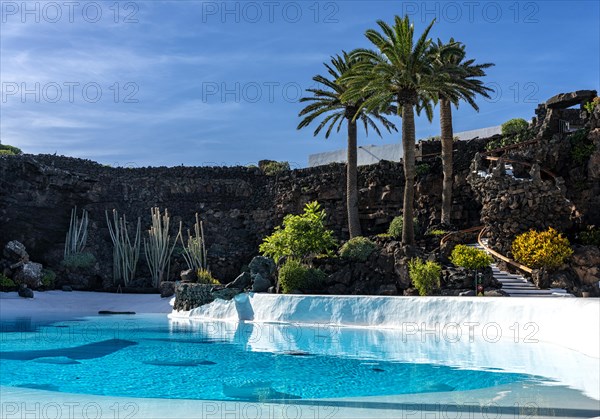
[239, 205]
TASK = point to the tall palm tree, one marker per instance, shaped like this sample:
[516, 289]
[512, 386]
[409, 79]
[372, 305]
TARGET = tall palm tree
[460, 82]
[327, 102]
[399, 71]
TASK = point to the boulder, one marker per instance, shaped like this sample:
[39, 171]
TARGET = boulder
[262, 265]
[241, 282]
[566, 100]
[387, 289]
[189, 275]
[167, 289]
[585, 262]
[25, 292]
[14, 251]
[29, 274]
[225, 293]
[260, 283]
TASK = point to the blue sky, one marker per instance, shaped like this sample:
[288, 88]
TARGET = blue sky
[216, 83]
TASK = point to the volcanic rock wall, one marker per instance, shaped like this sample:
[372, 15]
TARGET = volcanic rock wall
[239, 205]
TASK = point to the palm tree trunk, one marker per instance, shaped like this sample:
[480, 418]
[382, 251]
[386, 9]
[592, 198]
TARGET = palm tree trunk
[352, 182]
[447, 146]
[408, 146]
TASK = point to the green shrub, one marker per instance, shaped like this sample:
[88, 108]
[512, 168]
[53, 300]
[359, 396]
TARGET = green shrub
[6, 282]
[84, 260]
[9, 150]
[590, 237]
[514, 126]
[424, 275]
[359, 248]
[395, 228]
[205, 277]
[591, 105]
[436, 232]
[422, 169]
[293, 275]
[541, 249]
[581, 146]
[300, 236]
[470, 257]
[48, 278]
[273, 168]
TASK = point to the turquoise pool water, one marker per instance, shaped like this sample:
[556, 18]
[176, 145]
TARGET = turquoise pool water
[150, 356]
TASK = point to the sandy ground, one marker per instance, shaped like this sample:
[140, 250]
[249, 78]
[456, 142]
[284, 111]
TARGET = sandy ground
[78, 303]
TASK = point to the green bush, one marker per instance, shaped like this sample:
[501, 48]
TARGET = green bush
[422, 169]
[591, 105]
[359, 248]
[590, 237]
[581, 146]
[541, 249]
[514, 126]
[84, 260]
[48, 278]
[205, 277]
[293, 275]
[469, 257]
[395, 228]
[300, 236]
[9, 150]
[273, 168]
[436, 232]
[424, 275]
[6, 282]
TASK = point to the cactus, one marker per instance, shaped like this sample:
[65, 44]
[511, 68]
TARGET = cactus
[194, 251]
[125, 254]
[157, 249]
[77, 234]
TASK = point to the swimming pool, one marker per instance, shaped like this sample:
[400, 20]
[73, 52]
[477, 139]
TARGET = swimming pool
[184, 363]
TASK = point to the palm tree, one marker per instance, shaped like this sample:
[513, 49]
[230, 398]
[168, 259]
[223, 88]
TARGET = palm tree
[327, 102]
[400, 71]
[460, 82]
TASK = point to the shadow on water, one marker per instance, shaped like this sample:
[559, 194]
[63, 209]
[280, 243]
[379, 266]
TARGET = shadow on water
[89, 351]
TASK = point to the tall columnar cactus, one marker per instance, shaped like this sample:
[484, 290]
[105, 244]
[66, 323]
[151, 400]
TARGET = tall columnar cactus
[157, 247]
[194, 251]
[125, 254]
[77, 234]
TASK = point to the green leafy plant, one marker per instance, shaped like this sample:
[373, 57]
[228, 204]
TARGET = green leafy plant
[581, 146]
[293, 275]
[48, 278]
[541, 249]
[424, 275]
[395, 228]
[273, 168]
[469, 257]
[591, 105]
[359, 248]
[422, 169]
[514, 126]
[590, 237]
[300, 236]
[9, 150]
[205, 277]
[84, 260]
[6, 282]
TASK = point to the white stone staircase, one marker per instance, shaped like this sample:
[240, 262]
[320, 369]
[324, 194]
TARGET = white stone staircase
[516, 285]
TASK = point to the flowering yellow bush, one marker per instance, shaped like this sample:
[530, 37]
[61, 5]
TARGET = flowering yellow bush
[537, 249]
